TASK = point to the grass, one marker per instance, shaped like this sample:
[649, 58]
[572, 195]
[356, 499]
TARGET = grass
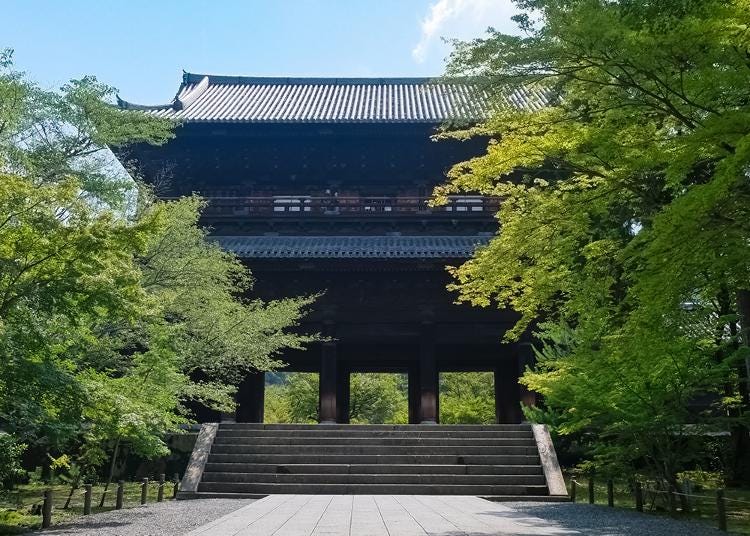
[702, 508]
[20, 509]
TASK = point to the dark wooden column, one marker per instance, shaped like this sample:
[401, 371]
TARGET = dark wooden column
[428, 377]
[507, 399]
[343, 394]
[414, 394]
[526, 358]
[251, 398]
[327, 407]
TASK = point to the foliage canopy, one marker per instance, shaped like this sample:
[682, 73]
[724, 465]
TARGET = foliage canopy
[116, 310]
[626, 214]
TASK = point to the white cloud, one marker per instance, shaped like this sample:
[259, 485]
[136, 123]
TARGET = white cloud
[462, 19]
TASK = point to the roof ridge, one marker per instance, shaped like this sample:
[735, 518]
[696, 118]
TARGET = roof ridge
[194, 78]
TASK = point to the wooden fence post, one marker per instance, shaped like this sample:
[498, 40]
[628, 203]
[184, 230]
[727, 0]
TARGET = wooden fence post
[687, 489]
[47, 509]
[671, 502]
[591, 490]
[721, 509]
[176, 487]
[572, 490]
[638, 496]
[120, 494]
[87, 500]
[144, 490]
[610, 493]
[160, 491]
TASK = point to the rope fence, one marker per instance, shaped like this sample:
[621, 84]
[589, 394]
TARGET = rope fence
[648, 493]
[122, 495]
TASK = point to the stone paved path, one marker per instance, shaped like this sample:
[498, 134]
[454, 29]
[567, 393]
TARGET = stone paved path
[421, 515]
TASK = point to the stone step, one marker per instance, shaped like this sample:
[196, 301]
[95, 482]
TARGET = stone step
[497, 459]
[182, 495]
[325, 431]
[456, 450]
[329, 478]
[525, 498]
[369, 469]
[380, 427]
[379, 441]
[191, 495]
[253, 460]
[351, 489]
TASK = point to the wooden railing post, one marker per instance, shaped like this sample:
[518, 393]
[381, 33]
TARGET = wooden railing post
[144, 490]
[176, 487]
[160, 491]
[687, 489]
[638, 496]
[47, 509]
[610, 493]
[671, 502]
[87, 499]
[120, 494]
[721, 509]
[591, 490]
[572, 490]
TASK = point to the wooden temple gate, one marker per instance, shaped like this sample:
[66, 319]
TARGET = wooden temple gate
[322, 186]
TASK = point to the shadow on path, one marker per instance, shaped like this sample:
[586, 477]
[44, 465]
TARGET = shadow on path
[588, 520]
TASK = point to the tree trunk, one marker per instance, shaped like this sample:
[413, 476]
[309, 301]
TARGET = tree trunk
[743, 309]
[115, 452]
[73, 489]
[740, 433]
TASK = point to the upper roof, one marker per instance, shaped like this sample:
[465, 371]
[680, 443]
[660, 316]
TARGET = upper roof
[210, 98]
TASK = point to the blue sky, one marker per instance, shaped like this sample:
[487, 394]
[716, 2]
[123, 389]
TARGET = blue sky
[141, 46]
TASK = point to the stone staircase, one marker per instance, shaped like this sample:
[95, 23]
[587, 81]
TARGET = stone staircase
[500, 462]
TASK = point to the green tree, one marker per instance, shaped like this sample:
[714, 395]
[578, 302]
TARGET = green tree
[277, 405]
[374, 398]
[115, 309]
[302, 395]
[378, 398]
[625, 217]
[467, 398]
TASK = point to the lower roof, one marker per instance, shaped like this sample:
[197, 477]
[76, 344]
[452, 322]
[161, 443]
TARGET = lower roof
[352, 247]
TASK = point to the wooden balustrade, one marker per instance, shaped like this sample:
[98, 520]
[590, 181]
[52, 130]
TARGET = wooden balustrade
[300, 205]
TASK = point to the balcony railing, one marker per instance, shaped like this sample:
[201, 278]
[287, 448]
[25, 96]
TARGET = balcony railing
[299, 205]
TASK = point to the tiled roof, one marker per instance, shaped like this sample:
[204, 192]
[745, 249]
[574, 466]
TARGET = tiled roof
[212, 98]
[334, 247]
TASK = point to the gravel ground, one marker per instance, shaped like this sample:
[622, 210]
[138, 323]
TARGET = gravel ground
[171, 518]
[176, 518]
[591, 520]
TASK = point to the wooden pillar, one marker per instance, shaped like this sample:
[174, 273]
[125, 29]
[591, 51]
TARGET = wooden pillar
[327, 406]
[343, 393]
[507, 392]
[428, 377]
[526, 358]
[414, 394]
[251, 398]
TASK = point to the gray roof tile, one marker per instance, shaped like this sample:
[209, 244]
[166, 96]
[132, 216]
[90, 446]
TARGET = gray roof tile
[209, 98]
[352, 247]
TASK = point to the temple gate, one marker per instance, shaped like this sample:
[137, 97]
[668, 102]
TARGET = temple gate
[323, 186]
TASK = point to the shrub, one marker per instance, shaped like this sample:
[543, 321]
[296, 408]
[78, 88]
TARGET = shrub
[10, 459]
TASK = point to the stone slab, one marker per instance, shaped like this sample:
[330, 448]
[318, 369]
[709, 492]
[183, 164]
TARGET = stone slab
[377, 515]
[548, 457]
[198, 458]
